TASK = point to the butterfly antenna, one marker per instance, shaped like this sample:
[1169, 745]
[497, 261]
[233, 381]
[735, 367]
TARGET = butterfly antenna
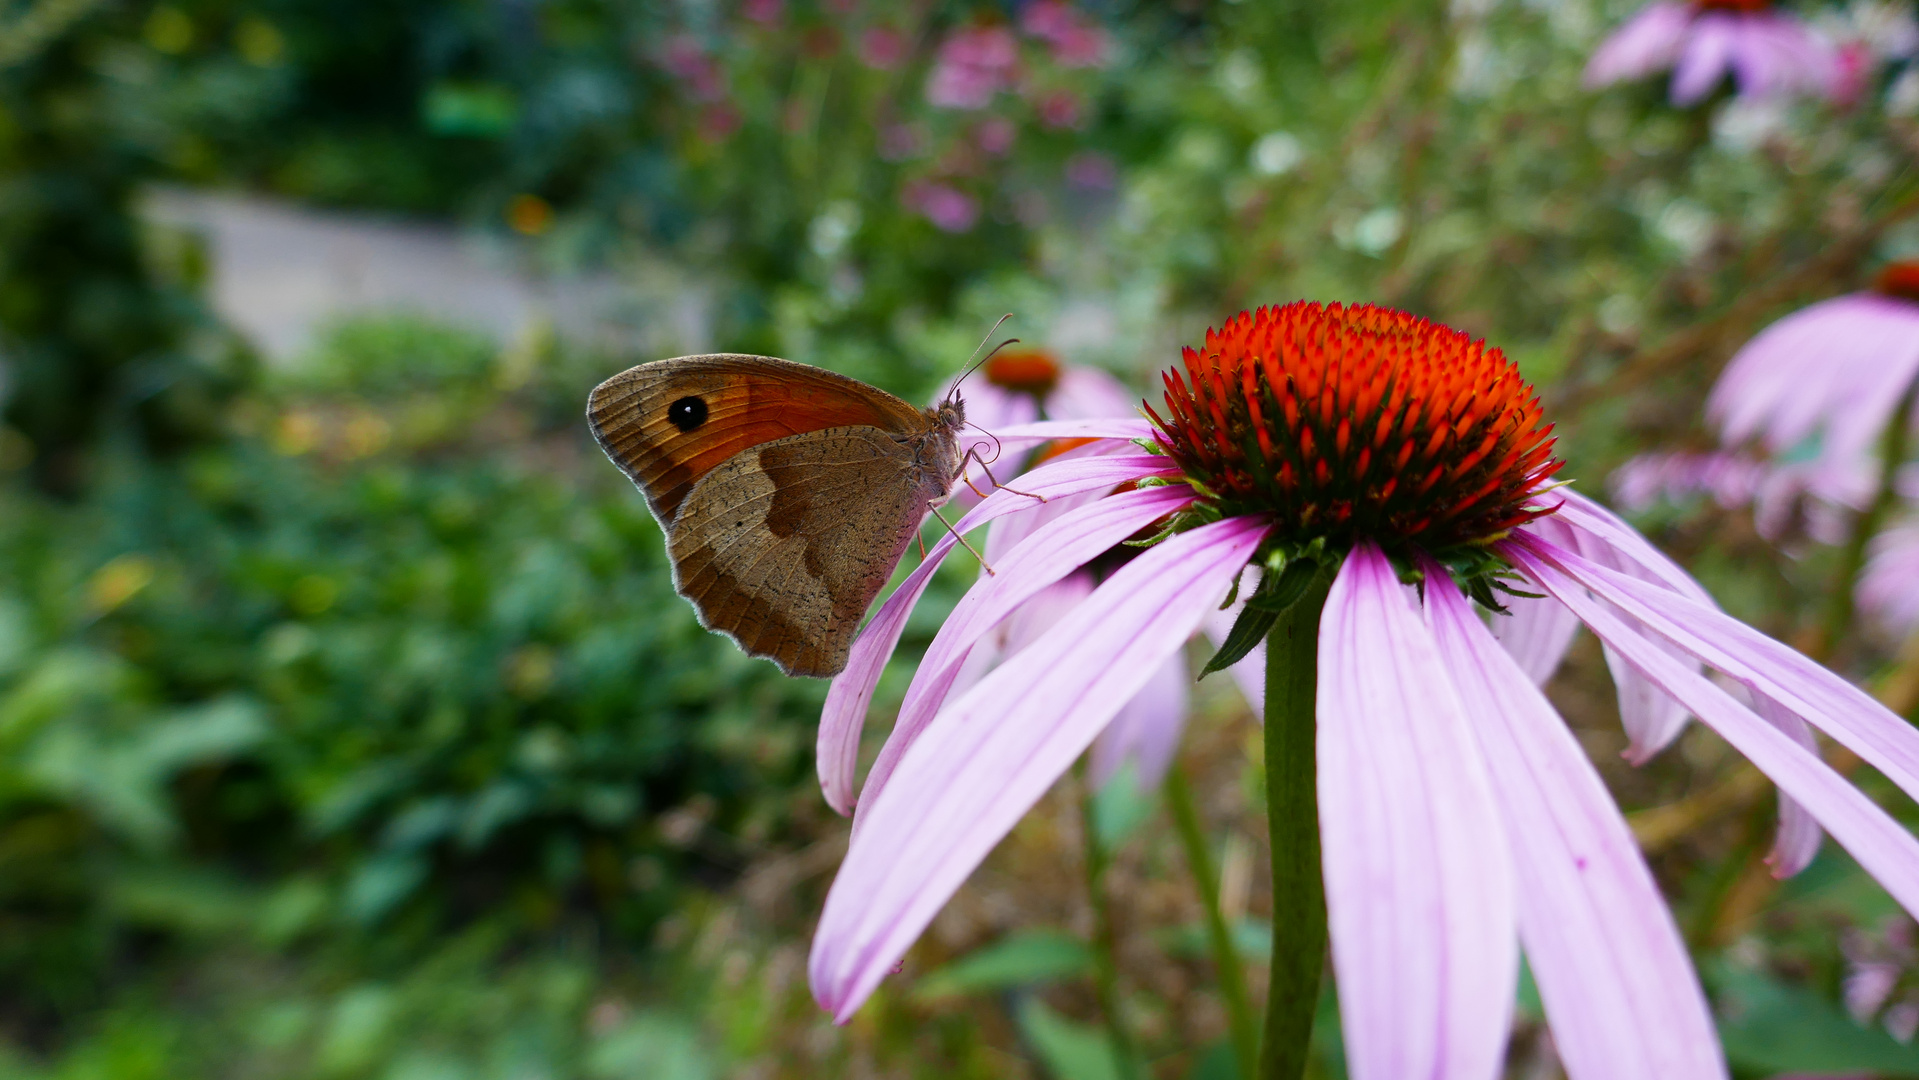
[982, 359]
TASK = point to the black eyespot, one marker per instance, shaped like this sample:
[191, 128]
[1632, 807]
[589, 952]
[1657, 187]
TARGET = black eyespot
[686, 413]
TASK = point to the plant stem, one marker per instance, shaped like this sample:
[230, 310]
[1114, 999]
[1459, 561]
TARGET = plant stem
[1292, 810]
[1105, 949]
[1232, 975]
[1865, 525]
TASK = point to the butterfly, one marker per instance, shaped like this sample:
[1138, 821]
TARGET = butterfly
[787, 492]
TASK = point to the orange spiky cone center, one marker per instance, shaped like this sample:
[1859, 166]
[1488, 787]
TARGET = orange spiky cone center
[1359, 422]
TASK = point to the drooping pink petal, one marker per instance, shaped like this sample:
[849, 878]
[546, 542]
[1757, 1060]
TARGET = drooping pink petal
[1704, 58]
[991, 754]
[1883, 847]
[1419, 877]
[852, 689]
[1647, 43]
[1766, 667]
[1799, 834]
[1776, 55]
[1889, 588]
[1651, 718]
[1620, 991]
[1146, 730]
[1537, 632]
[1056, 550]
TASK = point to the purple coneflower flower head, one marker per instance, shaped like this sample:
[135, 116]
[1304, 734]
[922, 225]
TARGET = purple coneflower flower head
[1461, 822]
[1768, 54]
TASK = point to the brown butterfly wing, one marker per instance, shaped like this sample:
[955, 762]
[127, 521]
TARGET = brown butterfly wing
[746, 401]
[785, 546]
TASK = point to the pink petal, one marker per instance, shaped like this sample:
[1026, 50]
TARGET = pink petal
[1651, 717]
[991, 754]
[1537, 633]
[1799, 834]
[1619, 988]
[852, 689]
[1055, 551]
[1889, 588]
[1763, 665]
[1648, 42]
[1705, 57]
[1879, 843]
[1419, 878]
[1146, 731]
[1023, 435]
[1085, 393]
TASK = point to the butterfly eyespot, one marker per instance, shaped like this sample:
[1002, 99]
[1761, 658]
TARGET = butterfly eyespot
[686, 413]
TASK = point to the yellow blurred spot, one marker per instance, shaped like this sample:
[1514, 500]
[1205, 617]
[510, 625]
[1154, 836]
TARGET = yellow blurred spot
[367, 433]
[296, 433]
[169, 30]
[16, 450]
[118, 582]
[259, 41]
[313, 594]
[529, 215]
[529, 671]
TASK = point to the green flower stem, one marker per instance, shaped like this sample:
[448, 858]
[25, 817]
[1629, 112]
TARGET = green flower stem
[1232, 974]
[1292, 809]
[1105, 949]
[1893, 446]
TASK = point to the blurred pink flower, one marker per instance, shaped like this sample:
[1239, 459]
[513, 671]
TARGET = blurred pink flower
[995, 135]
[899, 142]
[1813, 393]
[1769, 54]
[1059, 110]
[1076, 41]
[1803, 407]
[764, 12]
[882, 48]
[1091, 171]
[1460, 818]
[1889, 586]
[947, 207]
[698, 74]
[973, 65]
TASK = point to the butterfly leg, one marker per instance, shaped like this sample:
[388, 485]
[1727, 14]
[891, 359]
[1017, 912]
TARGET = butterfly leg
[962, 540]
[973, 456]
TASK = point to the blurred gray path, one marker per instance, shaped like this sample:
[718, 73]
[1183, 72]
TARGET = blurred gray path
[280, 271]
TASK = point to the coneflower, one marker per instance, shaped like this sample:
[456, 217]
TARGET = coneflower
[1383, 473]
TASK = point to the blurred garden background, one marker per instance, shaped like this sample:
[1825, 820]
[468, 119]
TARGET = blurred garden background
[349, 726]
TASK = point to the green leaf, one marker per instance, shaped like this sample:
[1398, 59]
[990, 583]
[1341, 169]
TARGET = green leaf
[1070, 1050]
[1121, 806]
[1019, 960]
[1769, 1026]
